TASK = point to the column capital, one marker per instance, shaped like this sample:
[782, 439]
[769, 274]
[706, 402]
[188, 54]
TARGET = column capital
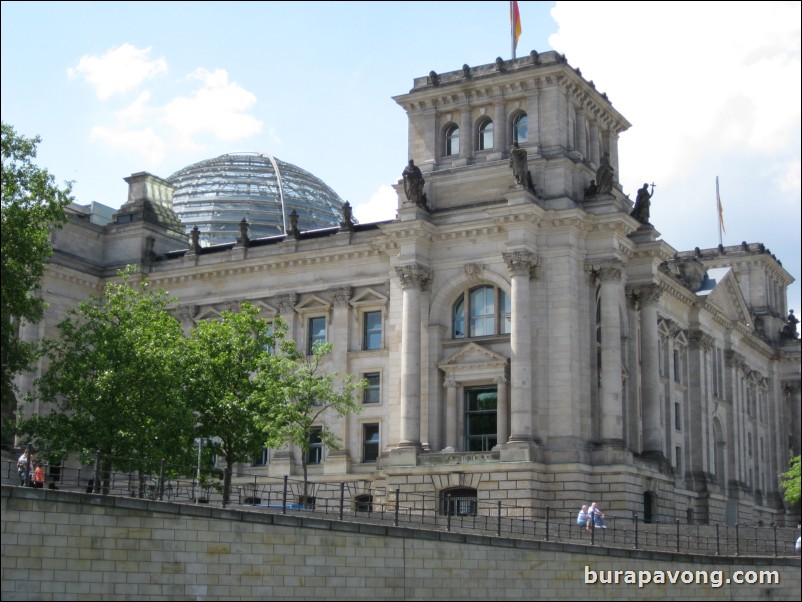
[647, 294]
[700, 339]
[500, 380]
[286, 302]
[520, 263]
[340, 295]
[413, 276]
[449, 384]
[734, 359]
[608, 270]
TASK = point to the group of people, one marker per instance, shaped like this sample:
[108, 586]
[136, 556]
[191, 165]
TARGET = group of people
[30, 471]
[591, 517]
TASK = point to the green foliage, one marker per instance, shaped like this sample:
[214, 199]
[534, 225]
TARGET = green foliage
[31, 206]
[295, 397]
[790, 482]
[221, 359]
[113, 383]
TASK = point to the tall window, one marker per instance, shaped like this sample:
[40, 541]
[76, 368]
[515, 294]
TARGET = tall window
[488, 311]
[315, 453]
[678, 459]
[598, 338]
[370, 442]
[372, 330]
[372, 393]
[451, 141]
[317, 332]
[677, 416]
[520, 129]
[480, 418]
[486, 135]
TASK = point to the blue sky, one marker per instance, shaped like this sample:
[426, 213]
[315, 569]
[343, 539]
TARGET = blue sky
[115, 88]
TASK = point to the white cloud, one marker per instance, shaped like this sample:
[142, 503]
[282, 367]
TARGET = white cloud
[218, 107]
[381, 206]
[146, 143]
[120, 70]
[692, 78]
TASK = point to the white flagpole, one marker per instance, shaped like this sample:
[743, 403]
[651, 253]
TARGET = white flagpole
[512, 30]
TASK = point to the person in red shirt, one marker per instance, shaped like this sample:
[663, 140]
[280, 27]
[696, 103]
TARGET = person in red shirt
[39, 476]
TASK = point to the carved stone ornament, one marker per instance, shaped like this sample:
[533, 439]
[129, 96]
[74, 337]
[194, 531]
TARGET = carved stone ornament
[608, 271]
[702, 340]
[650, 293]
[520, 263]
[413, 276]
[286, 303]
[473, 271]
[340, 295]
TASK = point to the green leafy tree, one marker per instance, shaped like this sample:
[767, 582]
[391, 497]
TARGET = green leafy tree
[790, 482]
[295, 397]
[31, 206]
[113, 384]
[223, 356]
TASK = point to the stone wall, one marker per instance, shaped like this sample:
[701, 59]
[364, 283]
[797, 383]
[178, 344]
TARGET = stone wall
[59, 545]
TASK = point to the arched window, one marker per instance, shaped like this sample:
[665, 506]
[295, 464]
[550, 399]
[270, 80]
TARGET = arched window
[486, 135]
[520, 129]
[488, 312]
[459, 501]
[451, 141]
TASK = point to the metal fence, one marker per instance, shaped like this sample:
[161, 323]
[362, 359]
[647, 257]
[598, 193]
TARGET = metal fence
[347, 501]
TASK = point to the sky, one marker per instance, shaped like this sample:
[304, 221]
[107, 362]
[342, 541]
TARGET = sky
[711, 89]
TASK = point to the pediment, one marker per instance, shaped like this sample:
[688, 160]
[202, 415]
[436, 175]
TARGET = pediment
[473, 357]
[264, 308]
[312, 303]
[368, 297]
[208, 313]
[729, 300]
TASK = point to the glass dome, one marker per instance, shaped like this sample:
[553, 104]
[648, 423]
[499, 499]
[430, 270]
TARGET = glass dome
[216, 194]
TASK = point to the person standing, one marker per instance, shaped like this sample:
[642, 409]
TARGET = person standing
[23, 464]
[39, 476]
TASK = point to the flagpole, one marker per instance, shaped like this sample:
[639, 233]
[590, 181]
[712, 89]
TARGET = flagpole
[512, 30]
[720, 211]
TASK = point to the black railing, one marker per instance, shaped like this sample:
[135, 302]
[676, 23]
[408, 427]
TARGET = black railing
[345, 501]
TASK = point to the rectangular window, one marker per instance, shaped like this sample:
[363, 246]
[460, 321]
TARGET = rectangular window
[262, 458]
[678, 459]
[480, 418]
[315, 453]
[677, 375]
[372, 393]
[317, 333]
[370, 442]
[677, 417]
[372, 330]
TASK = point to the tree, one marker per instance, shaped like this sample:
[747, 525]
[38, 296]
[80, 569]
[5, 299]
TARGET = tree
[31, 206]
[223, 355]
[113, 384]
[295, 398]
[790, 482]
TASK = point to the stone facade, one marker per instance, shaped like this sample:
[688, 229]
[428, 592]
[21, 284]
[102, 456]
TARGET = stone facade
[532, 342]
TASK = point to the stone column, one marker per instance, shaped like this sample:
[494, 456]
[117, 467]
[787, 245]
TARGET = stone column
[500, 127]
[519, 265]
[653, 432]
[581, 135]
[612, 411]
[451, 414]
[465, 133]
[286, 307]
[412, 277]
[700, 346]
[594, 150]
[533, 115]
[338, 462]
[502, 411]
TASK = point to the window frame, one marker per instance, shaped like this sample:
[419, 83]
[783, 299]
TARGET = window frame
[314, 455]
[516, 128]
[485, 140]
[371, 388]
[464, 320]
[451, 140]
[370, 444]
[311, 338]
[488, 440]
[367, 332]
